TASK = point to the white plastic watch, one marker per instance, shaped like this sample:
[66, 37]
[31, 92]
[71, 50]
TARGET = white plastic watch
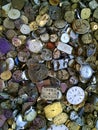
[75, 95]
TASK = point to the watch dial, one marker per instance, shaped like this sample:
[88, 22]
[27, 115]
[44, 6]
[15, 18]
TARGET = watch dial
[86, 71]
[75, 95]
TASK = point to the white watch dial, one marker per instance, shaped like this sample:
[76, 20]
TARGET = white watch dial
[86, 71]
[65, 38]
[75, 95]
[58, 127]
[73, 115]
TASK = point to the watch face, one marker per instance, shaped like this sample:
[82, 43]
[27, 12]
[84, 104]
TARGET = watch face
[86, 71]
[73, 115]
[75, 95]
